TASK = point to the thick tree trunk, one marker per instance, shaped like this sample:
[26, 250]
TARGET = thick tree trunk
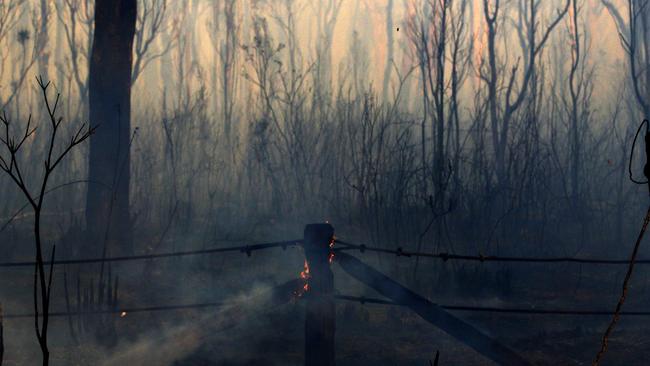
[107, 205]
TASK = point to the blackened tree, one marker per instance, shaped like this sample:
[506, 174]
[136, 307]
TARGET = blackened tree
[107, 211]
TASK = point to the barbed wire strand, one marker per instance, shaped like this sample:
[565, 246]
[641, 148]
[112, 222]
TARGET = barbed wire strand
[492, 309]
[483, 258]
[360, 299]
[122, 311]
[248, 249]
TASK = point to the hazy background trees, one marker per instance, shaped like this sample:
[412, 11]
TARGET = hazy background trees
[492, 126]
[440, 125]
[497, 116]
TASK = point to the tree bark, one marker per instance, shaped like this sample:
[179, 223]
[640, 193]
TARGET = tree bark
[107, 210]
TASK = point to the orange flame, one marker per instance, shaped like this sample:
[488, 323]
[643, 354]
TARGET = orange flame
[305, 272]
[305, 276]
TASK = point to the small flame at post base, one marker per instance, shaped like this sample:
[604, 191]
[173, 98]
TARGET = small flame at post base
[304, 274]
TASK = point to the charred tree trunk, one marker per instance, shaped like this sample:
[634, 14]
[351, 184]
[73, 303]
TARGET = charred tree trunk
[320, 320]
[107, 210]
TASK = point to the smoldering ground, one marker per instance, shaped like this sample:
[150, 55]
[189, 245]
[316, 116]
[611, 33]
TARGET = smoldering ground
[171, 345]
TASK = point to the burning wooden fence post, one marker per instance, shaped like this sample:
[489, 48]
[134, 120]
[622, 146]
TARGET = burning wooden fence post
[320, 318]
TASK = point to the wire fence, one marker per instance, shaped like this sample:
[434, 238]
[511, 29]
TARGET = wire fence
[494, 309]
[400, 252]
[340, 246]
[122, 312]
[247, 249]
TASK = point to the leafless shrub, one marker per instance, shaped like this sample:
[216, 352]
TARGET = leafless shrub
[10, 163]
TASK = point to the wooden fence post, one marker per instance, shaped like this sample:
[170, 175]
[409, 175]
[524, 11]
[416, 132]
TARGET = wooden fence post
[320, 318]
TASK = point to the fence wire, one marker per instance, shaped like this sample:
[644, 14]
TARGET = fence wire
[247, 249]
[493, 309]
[400, 252]
[122, 312]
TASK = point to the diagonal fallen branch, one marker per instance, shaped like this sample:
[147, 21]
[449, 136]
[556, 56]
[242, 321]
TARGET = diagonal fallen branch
[432, 313]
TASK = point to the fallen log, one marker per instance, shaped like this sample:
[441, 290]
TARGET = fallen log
[432, 313]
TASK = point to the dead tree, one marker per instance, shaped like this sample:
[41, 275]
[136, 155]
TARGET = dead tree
[76, 19]
[506, 93]
[634, 33]
[185, 69]
[43, 61]
[580, 89]
[461, 47]
[427, 31]
[151, 21]
[10, 14]
[10, 164]
[282, 130]
[225, 33]
[327, 13]
[438, 36]
[390, 49]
